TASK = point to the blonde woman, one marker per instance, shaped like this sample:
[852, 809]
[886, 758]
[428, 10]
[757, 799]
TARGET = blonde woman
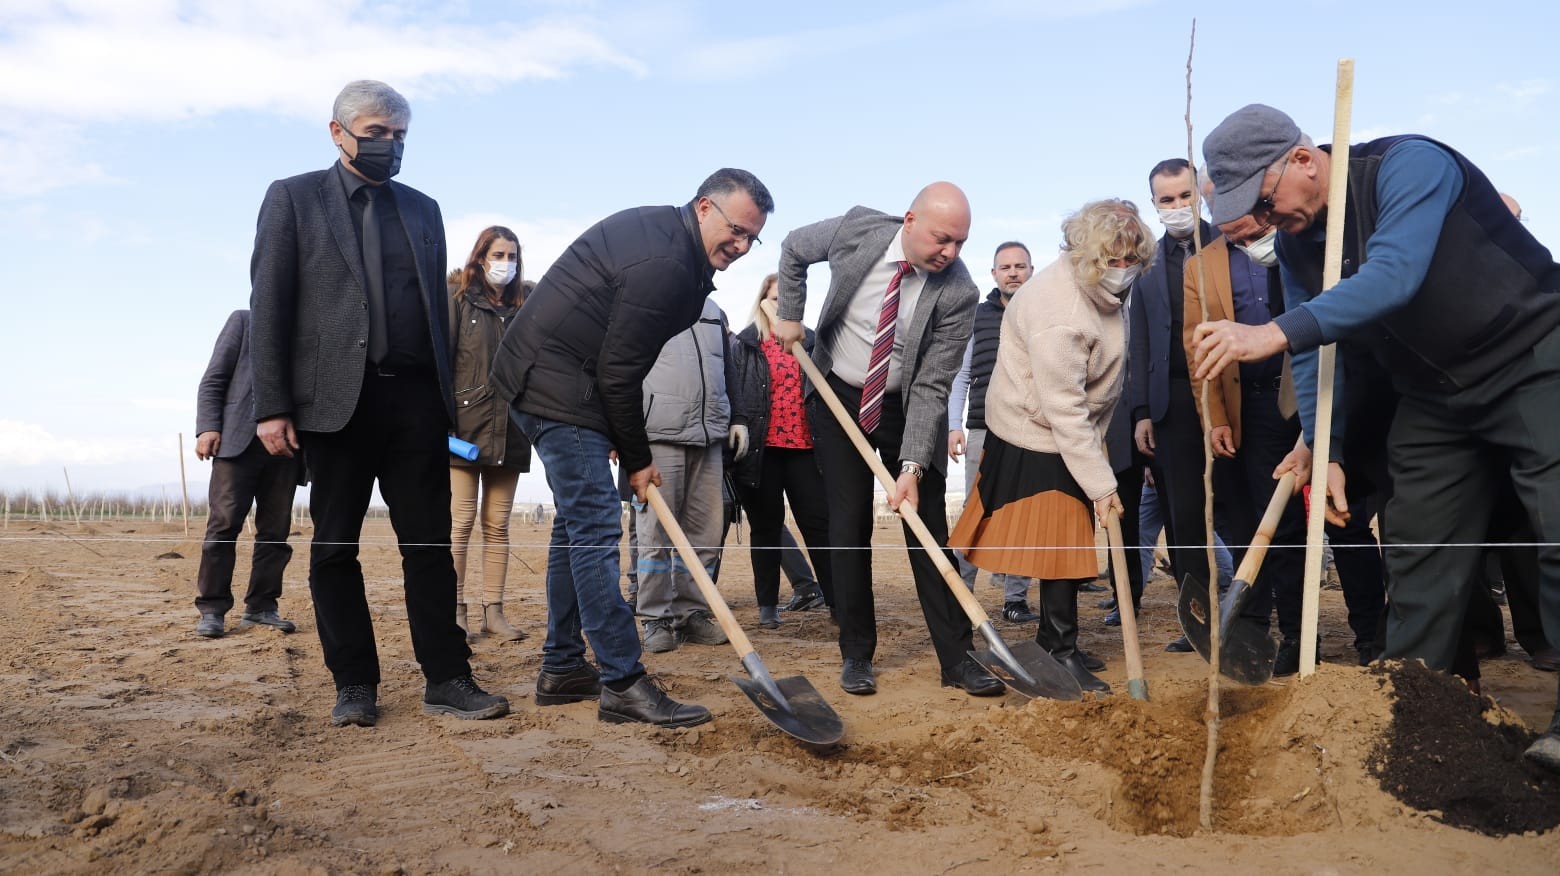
[484, 297]
[1045, 479]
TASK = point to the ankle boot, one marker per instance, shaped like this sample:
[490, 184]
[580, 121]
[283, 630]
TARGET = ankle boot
[493, 622]
[1059, 608]
[460, 621]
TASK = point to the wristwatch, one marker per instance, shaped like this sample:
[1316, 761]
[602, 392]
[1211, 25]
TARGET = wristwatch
[914, 468]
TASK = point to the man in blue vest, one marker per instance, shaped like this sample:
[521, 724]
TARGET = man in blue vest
[1453, 295]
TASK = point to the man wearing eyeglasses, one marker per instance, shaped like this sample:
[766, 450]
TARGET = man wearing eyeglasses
[1457, 300]
[572, 366]
[892, 335]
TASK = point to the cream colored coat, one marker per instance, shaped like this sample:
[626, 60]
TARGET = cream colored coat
[1059, 373]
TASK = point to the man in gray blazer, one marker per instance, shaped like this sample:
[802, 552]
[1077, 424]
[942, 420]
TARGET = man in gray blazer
[352, 364]
[891, 337]
[242, 473]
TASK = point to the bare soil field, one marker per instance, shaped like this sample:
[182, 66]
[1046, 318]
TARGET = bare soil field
[129, 745]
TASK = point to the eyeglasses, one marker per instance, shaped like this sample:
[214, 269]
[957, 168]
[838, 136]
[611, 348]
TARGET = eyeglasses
[1264, 206]
[737, 230]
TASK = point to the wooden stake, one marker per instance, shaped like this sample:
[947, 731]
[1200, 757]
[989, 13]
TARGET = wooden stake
[7, 510]
[1321, 444]
[71, 494]
[184, 487]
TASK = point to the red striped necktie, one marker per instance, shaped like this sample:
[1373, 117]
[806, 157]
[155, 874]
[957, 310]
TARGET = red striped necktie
[882, 351]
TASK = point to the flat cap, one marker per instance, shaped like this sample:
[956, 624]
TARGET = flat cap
[1239, 152]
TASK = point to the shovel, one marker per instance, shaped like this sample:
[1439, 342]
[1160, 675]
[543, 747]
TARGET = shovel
[1246, 650]
[1026, 667]
[1137, 687]
[792, 704]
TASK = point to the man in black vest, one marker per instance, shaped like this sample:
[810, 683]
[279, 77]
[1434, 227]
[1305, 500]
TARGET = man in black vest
[1460, 301]
[1011, 268]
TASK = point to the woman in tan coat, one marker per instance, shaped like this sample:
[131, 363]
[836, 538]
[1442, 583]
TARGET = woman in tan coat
[1045, 478]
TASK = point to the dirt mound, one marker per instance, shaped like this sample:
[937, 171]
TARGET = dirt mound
[1459, 757]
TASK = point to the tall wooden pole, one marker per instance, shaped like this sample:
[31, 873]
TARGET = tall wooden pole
[1321, 444]
[184, 487]
[71, 494]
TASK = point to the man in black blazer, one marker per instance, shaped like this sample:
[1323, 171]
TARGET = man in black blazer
[242, 473]
[352, 365]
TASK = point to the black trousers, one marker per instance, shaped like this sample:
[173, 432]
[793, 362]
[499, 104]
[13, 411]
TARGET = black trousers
[268, 482]
[1246, 484]
[1177, 466]
[1357, 557]
[849, 485]
[397, 436]
[786, 474]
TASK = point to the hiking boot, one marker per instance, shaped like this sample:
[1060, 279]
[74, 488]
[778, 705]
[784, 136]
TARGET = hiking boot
[460, 696]
[211, 626]
[266, 618]
[769, 617]
[1018, 613]
[356, 704]
[700, 629]
[1287, 662]
[645, 702]
[1545, 750]
[659, 637]
[1180, 646]
[573, 686]
[857, 677]
[805, 599]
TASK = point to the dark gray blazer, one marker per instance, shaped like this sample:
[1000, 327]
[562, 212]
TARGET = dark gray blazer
[308, 331]
[1148, 349]
[225, 402]
[939, 328]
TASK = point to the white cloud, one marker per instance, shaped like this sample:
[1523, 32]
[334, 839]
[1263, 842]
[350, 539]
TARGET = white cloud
[32, 444]
[69, 65]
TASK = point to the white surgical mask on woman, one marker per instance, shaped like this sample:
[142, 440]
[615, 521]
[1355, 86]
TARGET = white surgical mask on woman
[500, 273]
[1261, 249]
[1179, 221]
[1116, 280]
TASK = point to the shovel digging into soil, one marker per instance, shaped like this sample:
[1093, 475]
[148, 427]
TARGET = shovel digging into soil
[792, 704]
[1025, 667]
[1246, 649]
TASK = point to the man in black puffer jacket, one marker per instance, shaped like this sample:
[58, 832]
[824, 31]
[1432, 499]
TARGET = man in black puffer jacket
[572, 367]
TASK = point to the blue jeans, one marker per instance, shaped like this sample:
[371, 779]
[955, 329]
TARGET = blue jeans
[1151, 522]
[582, 558]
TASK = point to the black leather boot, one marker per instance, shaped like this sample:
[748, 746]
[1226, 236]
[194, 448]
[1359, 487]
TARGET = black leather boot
[1545, 750]
[1059, 613]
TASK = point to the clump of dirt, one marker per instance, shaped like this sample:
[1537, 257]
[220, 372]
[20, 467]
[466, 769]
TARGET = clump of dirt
[1459, 757]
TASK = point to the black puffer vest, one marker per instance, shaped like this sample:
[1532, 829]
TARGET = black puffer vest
[1488, 297]
[983, 360]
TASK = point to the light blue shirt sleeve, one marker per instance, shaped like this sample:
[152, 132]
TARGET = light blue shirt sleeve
[1416, 186]
[960, 391]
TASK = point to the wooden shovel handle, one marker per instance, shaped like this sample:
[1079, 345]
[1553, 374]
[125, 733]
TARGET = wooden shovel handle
[1129, 627]
[727, 620]
[1256, 552]
[967, 601]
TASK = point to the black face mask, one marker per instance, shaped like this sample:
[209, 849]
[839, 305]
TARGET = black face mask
[378, 159]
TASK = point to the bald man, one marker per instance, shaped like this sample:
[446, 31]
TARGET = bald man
[895, 322]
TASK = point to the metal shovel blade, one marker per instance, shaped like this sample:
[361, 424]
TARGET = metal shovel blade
[802, 714]
[1027, 668]
[1246, 649]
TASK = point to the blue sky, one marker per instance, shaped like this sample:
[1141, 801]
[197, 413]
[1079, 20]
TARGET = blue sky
[137, 137]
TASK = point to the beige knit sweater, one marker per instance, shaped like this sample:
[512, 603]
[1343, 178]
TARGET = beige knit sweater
[1060, 367]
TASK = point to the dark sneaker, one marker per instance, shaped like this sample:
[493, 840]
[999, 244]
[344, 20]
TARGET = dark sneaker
[1092, 587]
[356, 704]
[1287, 662]
[659, 636]
[573, 686]
[700, 629]
[646, 703]
[857, 677]
[211, 626]
[1180, 646]
[1018, 613]
[267, 618]
[1113, 619]
[805, 599]
[461, 697]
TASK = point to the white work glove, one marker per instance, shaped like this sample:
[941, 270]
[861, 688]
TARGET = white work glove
[737, 439]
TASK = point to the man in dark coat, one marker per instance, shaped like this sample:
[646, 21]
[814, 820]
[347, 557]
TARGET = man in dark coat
[352, 365]
[242, 474]
[572, 367]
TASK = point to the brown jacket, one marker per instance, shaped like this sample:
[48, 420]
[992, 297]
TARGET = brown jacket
[481, 414]
[1224, 393]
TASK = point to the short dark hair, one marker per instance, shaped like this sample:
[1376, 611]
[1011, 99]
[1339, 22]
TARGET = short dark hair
[731, 179]
[1168, 167]
[1010, 244]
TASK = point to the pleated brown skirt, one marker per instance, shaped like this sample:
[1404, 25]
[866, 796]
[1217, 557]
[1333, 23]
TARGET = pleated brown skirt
[1026, 516]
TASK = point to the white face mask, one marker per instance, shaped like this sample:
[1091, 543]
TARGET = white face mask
[1179, 222]
[1117, 280]
[500, 273]
[1261, 249]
